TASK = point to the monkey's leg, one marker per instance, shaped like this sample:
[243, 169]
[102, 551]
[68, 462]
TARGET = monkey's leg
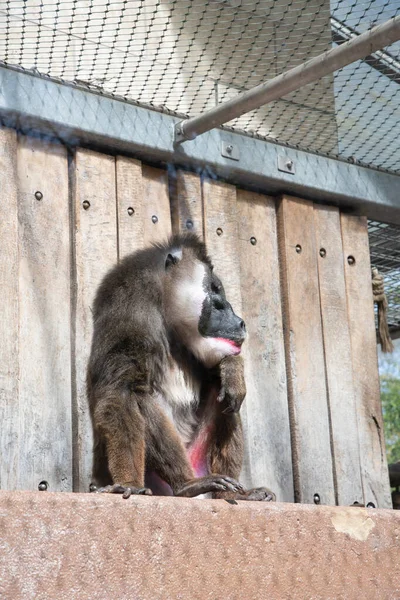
[118, 420]
[167, 456]
[226, 456]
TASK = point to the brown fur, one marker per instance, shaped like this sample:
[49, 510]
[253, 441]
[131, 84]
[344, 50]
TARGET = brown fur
[133, 347]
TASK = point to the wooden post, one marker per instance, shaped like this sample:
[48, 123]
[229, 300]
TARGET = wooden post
[95, 239]
[267, 417]
[9, 364]
[338, 363]
[45, 441]
[307, 393]
[374, 470]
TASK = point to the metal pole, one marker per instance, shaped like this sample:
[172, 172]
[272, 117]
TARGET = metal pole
[357, 48]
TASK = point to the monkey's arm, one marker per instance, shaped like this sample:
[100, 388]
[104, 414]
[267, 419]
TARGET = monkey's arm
[233, 386]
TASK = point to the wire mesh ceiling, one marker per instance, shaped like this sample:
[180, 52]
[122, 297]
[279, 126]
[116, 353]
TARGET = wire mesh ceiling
[187, 56]
[384, 242]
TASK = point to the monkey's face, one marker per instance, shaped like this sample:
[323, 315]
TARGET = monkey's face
[198, 311]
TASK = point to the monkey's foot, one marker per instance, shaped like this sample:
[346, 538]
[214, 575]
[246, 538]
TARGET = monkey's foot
[260, 494]
[125, 490]
[210, 483]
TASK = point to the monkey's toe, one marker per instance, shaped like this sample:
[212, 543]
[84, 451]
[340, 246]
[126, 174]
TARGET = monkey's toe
[126, 491]
[261, 494]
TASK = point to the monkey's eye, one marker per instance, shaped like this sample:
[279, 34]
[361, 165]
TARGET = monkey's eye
[218, 303]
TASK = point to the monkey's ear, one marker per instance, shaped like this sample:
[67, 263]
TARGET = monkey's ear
[173, 257]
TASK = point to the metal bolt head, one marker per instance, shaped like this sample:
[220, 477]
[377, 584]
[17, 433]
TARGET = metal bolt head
[253, 241]
[154, 218]
[189, 224]
[371, 505]
[92, 487]
[130, 211]
[229, 149]
[38, 195]
[289, 164]
[351, 260]
[43, 485]
[298, 248]
[317, 499]
[86, 204]
[219, 231]
[322, 252]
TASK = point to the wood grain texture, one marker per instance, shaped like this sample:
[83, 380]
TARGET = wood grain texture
[9, 364]
[220, 213]
[268, 432]
[186, 203]
[155, 204]
[45, 440]
[129, 197]
[374, 470]
[336, 335]
[95, 236]
[307, 394]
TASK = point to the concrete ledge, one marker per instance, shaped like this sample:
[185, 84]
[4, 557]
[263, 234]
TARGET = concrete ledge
[86, 546]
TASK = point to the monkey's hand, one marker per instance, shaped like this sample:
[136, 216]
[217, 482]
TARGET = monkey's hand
[233, 386]
[126, 490]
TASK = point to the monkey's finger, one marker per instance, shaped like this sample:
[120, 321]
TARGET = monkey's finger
[221, 394]
[127, 493]
[235, 482]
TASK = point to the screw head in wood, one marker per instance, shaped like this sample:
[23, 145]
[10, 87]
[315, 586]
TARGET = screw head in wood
[92, 487]
[43, 485]
[219, 231]
[322, 252]
[351, 260]
[317, 499]
[253, 241]
[38, 195]
[86, 204]
[131, 211]
[371, 505]
[154, 218]
[298, 248]
[189, 224]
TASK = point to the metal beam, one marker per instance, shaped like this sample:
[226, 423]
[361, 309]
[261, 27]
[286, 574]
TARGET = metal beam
[381, 61]
[78, 116]
[356, 48]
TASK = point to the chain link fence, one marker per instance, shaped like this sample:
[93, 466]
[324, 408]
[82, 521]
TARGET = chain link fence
[187, 56]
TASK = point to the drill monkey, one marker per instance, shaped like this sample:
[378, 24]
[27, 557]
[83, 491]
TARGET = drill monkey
[165, 377]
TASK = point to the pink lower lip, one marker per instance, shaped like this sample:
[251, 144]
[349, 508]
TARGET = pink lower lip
[233, 344]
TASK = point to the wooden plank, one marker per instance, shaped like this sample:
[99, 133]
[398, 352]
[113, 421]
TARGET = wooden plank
[268, 432]
[130, 204]
[186, 203]
[156, 209]
[95, 236]
[357, 266]
[9, 365]
[307, 395]
[221, 237]
[338, 363]
[45, 441]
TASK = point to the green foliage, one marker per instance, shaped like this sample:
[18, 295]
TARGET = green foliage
[390, 395]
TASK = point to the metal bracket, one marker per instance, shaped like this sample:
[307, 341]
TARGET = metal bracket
[286, 164]
[230, 151]
[178, 133]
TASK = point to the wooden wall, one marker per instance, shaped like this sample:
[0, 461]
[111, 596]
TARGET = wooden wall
[297, 272]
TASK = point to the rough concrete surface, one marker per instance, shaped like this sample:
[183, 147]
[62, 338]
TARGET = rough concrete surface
[88, 546]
